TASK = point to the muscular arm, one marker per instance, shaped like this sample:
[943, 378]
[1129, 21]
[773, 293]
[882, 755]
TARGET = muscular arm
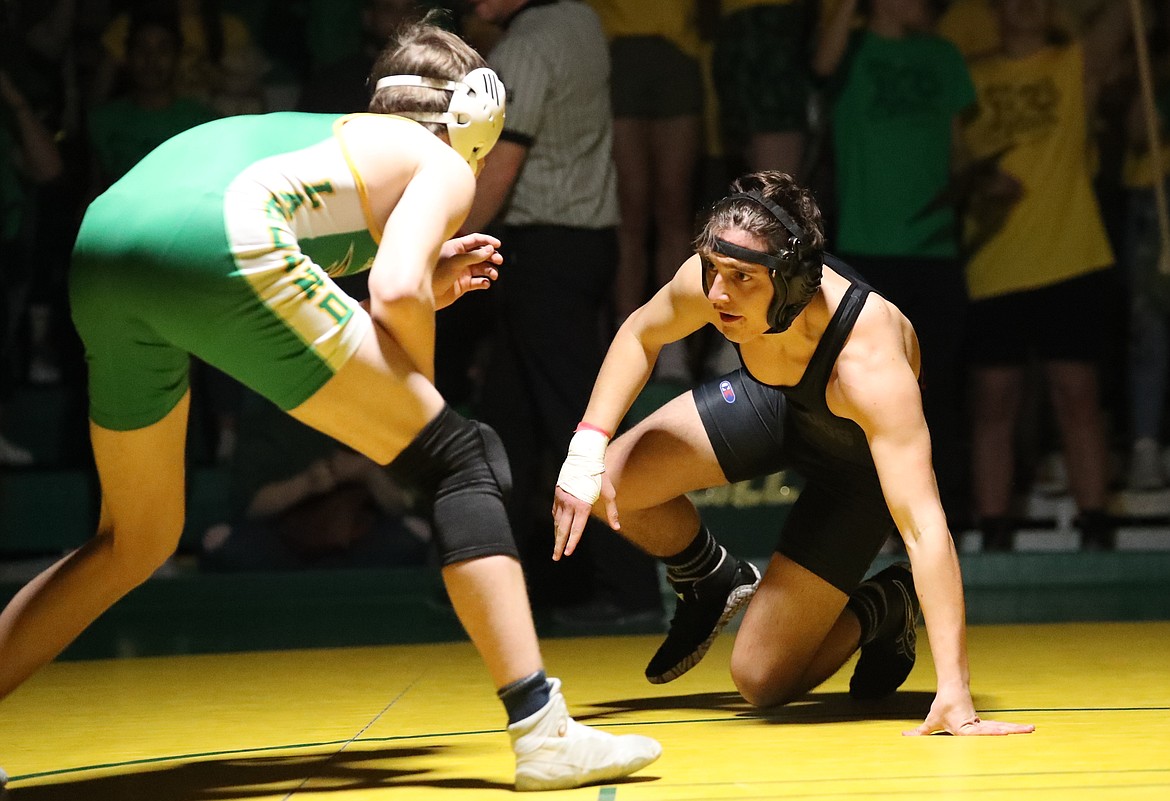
[876, 386]
[431, 209]
[675, 311]
[678, 309]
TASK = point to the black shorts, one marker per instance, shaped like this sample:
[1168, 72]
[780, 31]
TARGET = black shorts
[1061, 322]
[651, 79]
[760, 69]
[839, 521]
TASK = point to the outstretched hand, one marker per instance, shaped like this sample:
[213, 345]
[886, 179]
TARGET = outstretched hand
[955, 715]
[466, 263]
[570, 514]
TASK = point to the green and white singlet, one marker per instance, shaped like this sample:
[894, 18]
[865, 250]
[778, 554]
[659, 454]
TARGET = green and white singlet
[222, 243]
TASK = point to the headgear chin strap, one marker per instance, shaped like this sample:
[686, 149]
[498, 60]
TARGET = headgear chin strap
[795, 269]
[475, 115]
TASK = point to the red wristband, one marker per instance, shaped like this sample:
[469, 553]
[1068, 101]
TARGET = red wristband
[583, 426]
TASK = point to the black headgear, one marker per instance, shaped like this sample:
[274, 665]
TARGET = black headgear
[795, 269]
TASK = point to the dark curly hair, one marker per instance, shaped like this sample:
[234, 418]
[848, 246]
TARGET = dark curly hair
[747, 215]
[797, 281]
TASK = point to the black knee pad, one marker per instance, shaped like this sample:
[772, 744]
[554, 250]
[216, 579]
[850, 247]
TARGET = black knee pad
[462, 469]
[496, 458]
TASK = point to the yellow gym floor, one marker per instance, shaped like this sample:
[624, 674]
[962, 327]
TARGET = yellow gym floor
[421, 722]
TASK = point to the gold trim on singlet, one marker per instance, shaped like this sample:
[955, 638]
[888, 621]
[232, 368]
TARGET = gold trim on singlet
[363, 192]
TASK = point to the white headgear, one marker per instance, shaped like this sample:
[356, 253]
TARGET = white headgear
[475, 115]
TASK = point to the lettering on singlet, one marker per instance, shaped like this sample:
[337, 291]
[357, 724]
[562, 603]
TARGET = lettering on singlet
[279, 209]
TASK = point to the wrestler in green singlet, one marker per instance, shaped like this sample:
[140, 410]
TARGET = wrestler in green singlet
[172, 261]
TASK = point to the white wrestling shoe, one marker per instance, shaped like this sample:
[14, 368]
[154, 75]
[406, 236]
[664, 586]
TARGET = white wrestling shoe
[555, 752]
[3, 780]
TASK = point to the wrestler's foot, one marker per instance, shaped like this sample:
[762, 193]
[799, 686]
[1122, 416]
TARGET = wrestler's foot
[888, 658]
[703, 608]
[3, 779]
[555, 752]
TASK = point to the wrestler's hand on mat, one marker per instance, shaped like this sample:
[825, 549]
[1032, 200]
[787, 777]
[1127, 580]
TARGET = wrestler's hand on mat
[955, 714]
[466, 263]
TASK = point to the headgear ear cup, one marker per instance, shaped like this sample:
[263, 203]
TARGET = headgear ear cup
[477, 108]
[474, 115]
[795, 270]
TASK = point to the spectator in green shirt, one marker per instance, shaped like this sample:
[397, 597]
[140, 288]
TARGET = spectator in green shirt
[150, 111]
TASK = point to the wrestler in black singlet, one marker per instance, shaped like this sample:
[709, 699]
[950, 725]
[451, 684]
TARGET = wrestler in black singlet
[840, 520]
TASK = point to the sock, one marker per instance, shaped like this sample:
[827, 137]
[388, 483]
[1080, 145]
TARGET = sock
[695, 561]
[525, 697]
[880, 610]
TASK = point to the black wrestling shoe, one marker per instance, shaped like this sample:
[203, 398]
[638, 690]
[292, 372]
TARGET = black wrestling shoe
[704, 607]
[887, 660]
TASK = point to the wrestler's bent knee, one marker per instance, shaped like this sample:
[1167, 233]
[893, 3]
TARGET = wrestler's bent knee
[461, 467]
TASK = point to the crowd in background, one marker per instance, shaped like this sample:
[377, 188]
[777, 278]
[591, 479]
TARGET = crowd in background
[985, 164]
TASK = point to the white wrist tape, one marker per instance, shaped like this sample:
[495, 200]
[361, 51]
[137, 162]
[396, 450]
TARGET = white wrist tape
[581, 473]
